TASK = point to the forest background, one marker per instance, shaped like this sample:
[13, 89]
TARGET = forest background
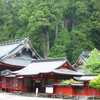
[56, 28]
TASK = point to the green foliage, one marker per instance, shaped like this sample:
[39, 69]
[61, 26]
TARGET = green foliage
[93, 62]
[65, 82]
[95, 83]
[69, 81]
[57, 28]
[61, 44]
[80, 43]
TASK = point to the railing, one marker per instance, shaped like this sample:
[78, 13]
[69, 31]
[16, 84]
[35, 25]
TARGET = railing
[0, 86]
[3, 85]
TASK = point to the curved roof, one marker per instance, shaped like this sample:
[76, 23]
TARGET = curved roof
[86, 77]
[67, 72]
[5, 49]
[47, 66]
[11, 48]
[17, 62]
[41, 66]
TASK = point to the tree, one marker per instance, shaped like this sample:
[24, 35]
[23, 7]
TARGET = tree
[12, 8]
[41, 20]
[94, 24]
[4, 32]
[46, 22]
[61, 45]
[93, 62]
[95, 83]
[80, 42]
[80, 34]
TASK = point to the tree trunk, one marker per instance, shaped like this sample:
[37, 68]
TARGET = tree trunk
[63, 24]
[46, 44]
[66, 22]
[56, 32]
[47, 47]
[73, 18]
[44, 48]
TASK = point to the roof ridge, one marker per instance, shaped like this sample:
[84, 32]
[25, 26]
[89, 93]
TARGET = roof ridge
[50, 59]
[21, 59]
[13, 41]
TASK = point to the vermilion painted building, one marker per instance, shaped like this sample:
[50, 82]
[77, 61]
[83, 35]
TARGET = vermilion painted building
[31, 71]
[86, 90]
[80, 89]
[39, 74]
[16, 54]
[46, 72]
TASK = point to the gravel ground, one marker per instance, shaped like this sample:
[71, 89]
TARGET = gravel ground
[11, 96]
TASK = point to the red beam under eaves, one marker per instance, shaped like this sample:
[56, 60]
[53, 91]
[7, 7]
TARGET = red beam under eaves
[4, 66]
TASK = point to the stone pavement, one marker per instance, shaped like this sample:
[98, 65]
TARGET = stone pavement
[12, 96]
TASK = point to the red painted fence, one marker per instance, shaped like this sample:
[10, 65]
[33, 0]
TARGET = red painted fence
[69, 90]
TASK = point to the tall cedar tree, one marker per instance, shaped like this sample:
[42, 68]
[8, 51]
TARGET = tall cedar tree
[44, 20]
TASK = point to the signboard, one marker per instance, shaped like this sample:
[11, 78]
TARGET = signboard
[36, 92]
[49, 89]
[37, 81]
